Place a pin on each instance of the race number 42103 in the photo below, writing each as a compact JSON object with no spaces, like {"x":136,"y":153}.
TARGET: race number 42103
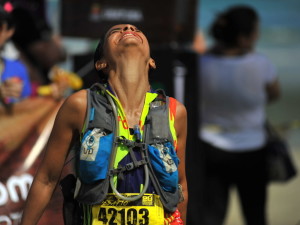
{"x":131,"y":216}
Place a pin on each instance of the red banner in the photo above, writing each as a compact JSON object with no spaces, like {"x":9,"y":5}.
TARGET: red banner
{"x":24,"y":131}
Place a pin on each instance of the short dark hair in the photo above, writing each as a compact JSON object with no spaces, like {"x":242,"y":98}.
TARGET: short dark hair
{"x":235,"y":21}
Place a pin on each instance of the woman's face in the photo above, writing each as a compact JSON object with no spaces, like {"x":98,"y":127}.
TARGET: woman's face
{"x":123,"y":36}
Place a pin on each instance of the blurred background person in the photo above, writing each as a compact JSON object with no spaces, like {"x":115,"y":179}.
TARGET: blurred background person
{"x":236,"y":84}
{"x":14,"y":79}
{"x":35,"y":44}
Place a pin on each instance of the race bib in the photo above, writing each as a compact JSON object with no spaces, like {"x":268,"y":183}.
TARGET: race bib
{"x":147,"y":210}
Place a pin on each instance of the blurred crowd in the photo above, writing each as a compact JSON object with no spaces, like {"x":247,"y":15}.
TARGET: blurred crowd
{"x":30,"y":55}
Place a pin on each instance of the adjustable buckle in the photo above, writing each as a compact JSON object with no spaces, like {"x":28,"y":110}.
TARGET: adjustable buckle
{"x":112,"y":172}
{"x":117,"y":140}
{"x":129,"y":166}
{"x":144,"y":146}
{"x":122,"y":140}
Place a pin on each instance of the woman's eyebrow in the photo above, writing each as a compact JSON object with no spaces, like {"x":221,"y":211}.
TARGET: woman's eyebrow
{"x":115,"y":29}
{"x":111,"y":31}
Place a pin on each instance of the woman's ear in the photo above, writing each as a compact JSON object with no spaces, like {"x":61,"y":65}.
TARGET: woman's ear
{"x":152,"y":64}
{"x":100,"y":64}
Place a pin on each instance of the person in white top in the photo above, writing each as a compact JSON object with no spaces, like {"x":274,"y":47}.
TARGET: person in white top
{"x":233,"y":99}
{"x":235,"y":84}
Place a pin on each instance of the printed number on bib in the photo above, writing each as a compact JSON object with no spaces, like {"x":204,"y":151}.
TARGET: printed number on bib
{"x":131,"y":216}
{"x":113,"y":211}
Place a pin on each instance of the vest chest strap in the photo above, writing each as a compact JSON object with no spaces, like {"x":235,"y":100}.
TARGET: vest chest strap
{"x":132,"y":146}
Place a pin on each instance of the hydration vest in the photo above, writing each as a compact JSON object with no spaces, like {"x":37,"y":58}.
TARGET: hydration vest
{"x":154,"y":150}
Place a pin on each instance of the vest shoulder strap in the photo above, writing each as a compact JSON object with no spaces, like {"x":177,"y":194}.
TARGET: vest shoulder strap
{"x":99,"y":111}
{"x":157,"y":124}
{"x":88,"y":111}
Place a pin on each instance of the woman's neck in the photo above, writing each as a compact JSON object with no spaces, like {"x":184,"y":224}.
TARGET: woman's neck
{"x":129,"y":81}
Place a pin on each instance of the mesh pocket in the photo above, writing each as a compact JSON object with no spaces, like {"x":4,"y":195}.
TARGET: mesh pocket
{"x":95,"y":152}
{"x":165,"y":162}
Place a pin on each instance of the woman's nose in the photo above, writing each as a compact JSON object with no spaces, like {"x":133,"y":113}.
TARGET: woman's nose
{"x":128,"y":27}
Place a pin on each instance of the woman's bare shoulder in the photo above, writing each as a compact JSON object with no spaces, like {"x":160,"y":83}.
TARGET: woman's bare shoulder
{"x":180,"y":118}
{"x":180,"y":110}
{"x":73,"y":110}
{"x":76,"y":101}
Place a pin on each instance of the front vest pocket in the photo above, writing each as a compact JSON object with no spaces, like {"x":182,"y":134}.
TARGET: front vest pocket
{"x":95,"y":153}
{"x":165,"y":162}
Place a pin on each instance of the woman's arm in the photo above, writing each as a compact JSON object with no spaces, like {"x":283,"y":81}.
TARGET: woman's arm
{"x":181,"y":130}
{"x":66,"y":129}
